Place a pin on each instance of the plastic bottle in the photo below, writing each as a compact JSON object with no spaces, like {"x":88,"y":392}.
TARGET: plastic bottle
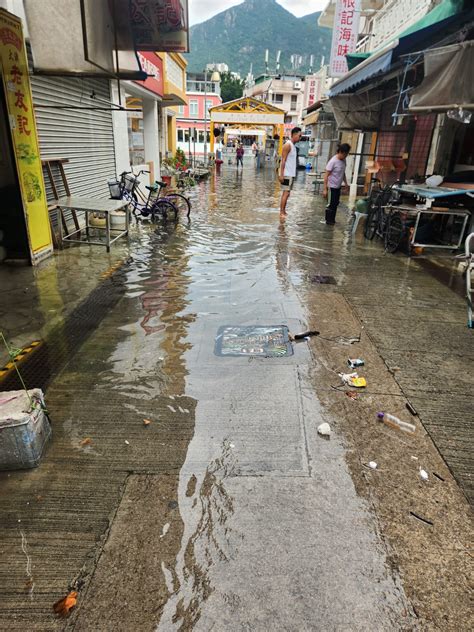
{"x":394,"y":422}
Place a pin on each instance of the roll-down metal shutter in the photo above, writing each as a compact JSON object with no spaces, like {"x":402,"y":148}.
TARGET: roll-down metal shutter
{"x":85,"y":137}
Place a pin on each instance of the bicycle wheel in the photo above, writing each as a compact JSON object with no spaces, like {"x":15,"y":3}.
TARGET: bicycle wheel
{"x":181,"y":202}
{"x":165,"y":209}
{"x":393,"y":232}
{"x":371,"y":223}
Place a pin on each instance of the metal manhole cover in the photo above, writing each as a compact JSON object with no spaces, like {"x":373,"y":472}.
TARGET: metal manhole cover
{"x":323,"y":279}
{"x":262,"y":341}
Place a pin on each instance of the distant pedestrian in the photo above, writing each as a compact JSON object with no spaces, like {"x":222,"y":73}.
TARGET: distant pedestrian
{"x":334,"y":178}
{"x":240,"y":155}
{"x":254,"y":148}
{"x":288,"y":168}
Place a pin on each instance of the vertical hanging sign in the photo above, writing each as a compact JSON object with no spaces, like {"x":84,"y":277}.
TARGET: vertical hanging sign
{"x":344,"y":35}
{"x":16,"y":83}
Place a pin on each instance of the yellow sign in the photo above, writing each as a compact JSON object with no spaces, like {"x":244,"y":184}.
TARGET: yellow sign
{"x":16,"y":82}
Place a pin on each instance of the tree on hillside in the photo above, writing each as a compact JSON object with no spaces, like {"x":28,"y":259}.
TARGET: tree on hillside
{"x":231,"y":88}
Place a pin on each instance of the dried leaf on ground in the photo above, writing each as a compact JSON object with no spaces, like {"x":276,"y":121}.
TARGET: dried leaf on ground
{"x":352,"y":394}
{"x":64,"y":606}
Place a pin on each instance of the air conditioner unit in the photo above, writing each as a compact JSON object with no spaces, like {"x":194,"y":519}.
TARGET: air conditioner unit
{"x":297,"y":85}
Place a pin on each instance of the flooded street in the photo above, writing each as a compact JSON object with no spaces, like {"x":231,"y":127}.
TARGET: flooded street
{"x":225,"y":510}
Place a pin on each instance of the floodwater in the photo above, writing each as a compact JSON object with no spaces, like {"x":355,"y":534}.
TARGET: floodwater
{"x":226,"y":511}
{"x":265,"y":528}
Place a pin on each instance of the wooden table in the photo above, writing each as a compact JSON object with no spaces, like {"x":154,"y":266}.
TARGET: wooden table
{"x":91,"y":205}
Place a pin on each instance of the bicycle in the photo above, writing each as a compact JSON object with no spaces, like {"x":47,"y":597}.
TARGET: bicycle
{"x":155,"y":191}
{"x":377,"y":221}
{"x":126,"y":189}
{"x":179,"y":200}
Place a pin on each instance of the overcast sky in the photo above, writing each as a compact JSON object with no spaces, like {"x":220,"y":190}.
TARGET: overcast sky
{"x":200,"y":10}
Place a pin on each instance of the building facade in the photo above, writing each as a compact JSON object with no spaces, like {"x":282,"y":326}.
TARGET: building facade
{"x":373,"y":102}
{"x":284,"y":91}
{"x":193,"y":119}
{"x":146,"y":133}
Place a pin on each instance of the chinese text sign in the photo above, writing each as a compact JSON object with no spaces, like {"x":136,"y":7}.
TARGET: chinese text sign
{"x":344,"y":35}
{"x":16,"y":83}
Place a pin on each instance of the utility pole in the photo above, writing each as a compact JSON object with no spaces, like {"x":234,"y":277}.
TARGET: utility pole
{"x":215,"y":78}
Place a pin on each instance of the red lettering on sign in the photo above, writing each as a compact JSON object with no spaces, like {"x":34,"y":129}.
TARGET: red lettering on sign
{"x":23,"y":125}
{"x":19,"y":103}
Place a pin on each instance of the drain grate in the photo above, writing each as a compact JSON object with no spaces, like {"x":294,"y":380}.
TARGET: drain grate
{"x":264,"y":341}
{"x":323,"y":279}
{"x":39,"y":368}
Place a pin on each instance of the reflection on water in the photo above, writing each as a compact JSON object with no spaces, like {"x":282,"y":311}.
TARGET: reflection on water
{"x":234,"y":264}
{"x":207,"y":508}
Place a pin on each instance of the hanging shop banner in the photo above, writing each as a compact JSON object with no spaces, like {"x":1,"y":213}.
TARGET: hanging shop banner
{"x":153,"y":66}
{"x":16,"y":83}
{"x":344,"y":35}
{"x":160,"y":25}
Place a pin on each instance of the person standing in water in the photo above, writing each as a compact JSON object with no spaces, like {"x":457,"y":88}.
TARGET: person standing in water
{"x":289,"y":162}
{"x":240,"y":154}
{"x":334,"y":177}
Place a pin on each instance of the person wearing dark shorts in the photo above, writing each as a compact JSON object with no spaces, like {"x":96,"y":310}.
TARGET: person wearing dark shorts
{"x":334,"y":178}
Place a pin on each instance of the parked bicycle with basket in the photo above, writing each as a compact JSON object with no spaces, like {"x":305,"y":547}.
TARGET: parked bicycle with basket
{"x":152,"y":205}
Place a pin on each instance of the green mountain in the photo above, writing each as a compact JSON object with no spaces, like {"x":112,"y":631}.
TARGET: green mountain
{"x":240,"y":35}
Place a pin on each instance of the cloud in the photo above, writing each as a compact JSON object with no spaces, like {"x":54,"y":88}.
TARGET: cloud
{"x":303,"y":7}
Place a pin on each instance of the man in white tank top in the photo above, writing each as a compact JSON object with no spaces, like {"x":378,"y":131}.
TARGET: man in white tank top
{"x":289,"y":161}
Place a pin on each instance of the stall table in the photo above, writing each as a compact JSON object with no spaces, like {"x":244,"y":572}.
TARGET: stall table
{"x":417,"y":212}
{"x":425,"y":196}
{"x":91,"y":205}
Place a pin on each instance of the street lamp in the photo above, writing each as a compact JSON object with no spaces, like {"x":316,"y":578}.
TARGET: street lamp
{"x":215,"y":78}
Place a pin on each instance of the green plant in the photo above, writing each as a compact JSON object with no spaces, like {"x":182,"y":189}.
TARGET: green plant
{"x":177,"y":162}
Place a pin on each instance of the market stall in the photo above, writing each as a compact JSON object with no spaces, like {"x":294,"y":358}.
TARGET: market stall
{"x":427,"y":217}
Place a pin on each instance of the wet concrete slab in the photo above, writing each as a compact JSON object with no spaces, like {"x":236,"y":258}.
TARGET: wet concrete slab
{"x":227,"y":510}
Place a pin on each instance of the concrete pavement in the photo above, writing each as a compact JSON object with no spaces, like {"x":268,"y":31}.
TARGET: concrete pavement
{"x":228,"y":511}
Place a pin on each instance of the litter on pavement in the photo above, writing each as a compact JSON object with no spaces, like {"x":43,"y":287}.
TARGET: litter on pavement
{"x":355,"y":362}
{"x":64,"y":606}
{"x":411,"y":409}
{"x":353,"y":379}
{"x":394,"y":422}
{"x":304,"y":334}
{"x":424,"y":475}
{"x":324,"y":430}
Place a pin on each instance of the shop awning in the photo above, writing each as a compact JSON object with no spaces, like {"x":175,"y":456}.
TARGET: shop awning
{"x":449,"y":79}
{"x":82,"y":37}
{"x":376,"y":64}
{"x":357,"y":111}
{"x":413,"y":38}
{"x":311,"y":119}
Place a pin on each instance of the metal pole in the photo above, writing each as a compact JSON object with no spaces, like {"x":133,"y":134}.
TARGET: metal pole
{"x":205,"y":116}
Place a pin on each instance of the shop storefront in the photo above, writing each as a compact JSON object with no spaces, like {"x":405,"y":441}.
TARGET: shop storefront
{"x":137,"y":131}
{"x":25,"y":232}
